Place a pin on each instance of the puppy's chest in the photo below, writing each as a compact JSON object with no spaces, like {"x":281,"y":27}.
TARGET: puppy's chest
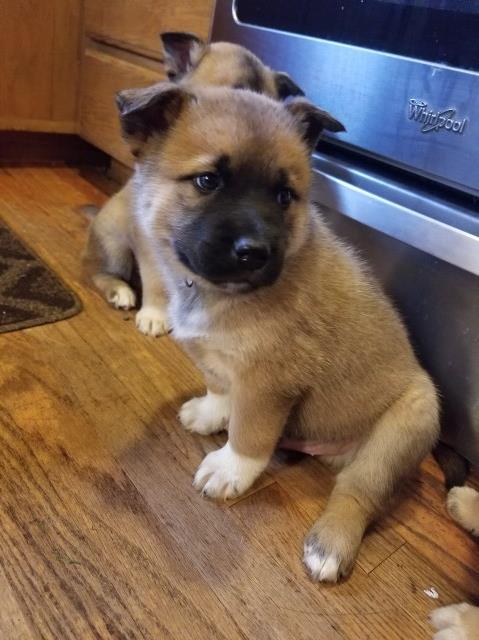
{"x":192,"y":327}
{"x":188,"y":316}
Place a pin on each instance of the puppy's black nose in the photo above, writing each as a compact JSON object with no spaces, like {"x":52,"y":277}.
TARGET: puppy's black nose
{"x":251,"y":254}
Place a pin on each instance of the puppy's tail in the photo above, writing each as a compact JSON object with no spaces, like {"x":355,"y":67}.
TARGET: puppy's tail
{"x":454,"y":466}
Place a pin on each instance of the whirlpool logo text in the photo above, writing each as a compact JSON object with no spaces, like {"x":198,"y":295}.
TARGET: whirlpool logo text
{"x":435,"y":120}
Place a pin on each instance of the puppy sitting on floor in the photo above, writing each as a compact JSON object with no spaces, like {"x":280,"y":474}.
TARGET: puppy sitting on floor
{"x":293,"y":335}
{"x":113,"y":240}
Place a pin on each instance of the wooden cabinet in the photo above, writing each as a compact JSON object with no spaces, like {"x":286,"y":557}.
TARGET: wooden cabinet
{"x":103,"y":76}
{"x":39,"y":64}
{"x":63,"y":61}
{"x":122,"y":49}
{"x":136,"y":24}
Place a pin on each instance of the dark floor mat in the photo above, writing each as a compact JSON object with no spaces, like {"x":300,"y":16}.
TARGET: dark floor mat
{"x":30,"y":293}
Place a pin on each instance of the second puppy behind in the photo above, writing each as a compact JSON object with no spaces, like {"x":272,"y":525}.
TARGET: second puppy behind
{"x":115,"y":240}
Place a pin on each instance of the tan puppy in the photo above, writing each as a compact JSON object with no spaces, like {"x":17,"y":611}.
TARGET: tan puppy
{"x":112,"y":240}
{"x":293,"y":335}
{"x":460,"y":621}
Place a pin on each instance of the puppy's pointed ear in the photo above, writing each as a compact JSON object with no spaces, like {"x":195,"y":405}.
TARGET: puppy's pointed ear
{"x":182,"y":52}
{"x":312,"y":121}
{"x":285,"y":86}
{"x":148,"y":111}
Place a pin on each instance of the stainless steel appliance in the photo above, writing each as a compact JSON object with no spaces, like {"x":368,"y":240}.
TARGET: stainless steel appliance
{"x":402,"y":183}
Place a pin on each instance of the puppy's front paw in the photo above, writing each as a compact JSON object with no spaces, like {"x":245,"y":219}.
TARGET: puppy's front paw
{"x":152,"y":321}
{"x":122,"y":296}
{"x":206,"y":415}
{"x":225,"y":474}
{"x":456,"y":622}
{"x":330,"y":550}
{"x":463,"y":505}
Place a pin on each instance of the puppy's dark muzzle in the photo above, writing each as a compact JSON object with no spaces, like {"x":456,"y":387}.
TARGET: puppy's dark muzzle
{"x":244,"y":248}
{"x":249,"y":262}
{"x":250,"y":254}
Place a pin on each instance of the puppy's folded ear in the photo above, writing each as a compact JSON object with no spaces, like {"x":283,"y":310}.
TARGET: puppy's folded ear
{"x":148,"y":111}
{"x":182,"y":52}
{"x":285,"y":86}
{"x":312,"y":121}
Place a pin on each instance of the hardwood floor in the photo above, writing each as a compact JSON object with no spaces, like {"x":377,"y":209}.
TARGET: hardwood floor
{"x":103,"y":537}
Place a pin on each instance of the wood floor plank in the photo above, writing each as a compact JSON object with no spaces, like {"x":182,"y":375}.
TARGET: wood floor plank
{"x":102,"y":535}
{"x":252,"y":585}
{"x":358,"y":607}
{"x":420,"y":517}
{"x":13,"y":624}
{"x":418,"y":584}
{"x":80,"y":546}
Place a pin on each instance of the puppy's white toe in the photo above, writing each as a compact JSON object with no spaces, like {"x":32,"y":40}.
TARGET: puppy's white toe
{"x":122,"y":296}
{"x":225,"y":474}
{"x":206,"y":415}
{"x":323,"y":567}
{"x":152,"y":321}
{"x":447,"y":616}
{"x":452,"y":633}
{"x":454,"y":622}
{"x":463,"y":506}
{"x":331,"y":547}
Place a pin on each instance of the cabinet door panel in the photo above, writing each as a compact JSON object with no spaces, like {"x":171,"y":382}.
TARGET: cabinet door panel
{"x":103,"y":75}
{"x":136,"y":24}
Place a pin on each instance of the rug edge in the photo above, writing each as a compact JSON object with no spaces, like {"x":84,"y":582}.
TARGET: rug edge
{"x":76,"y":308}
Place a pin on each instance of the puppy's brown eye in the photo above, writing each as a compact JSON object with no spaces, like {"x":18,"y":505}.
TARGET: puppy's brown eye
{"x":285,"y":196}
{"x":208,"y":182}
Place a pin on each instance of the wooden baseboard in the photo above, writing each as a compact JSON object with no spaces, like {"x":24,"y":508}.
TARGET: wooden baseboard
{"x":37,"y":148}
{"x":119,"y":172}
{"x":108,"y":180}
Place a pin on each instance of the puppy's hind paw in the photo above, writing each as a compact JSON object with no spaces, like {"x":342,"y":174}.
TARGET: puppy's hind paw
{"x":122,"y":296}
{"x":152,"y":321}
{"x":456,"y":622}
{"x":463,"y":506}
